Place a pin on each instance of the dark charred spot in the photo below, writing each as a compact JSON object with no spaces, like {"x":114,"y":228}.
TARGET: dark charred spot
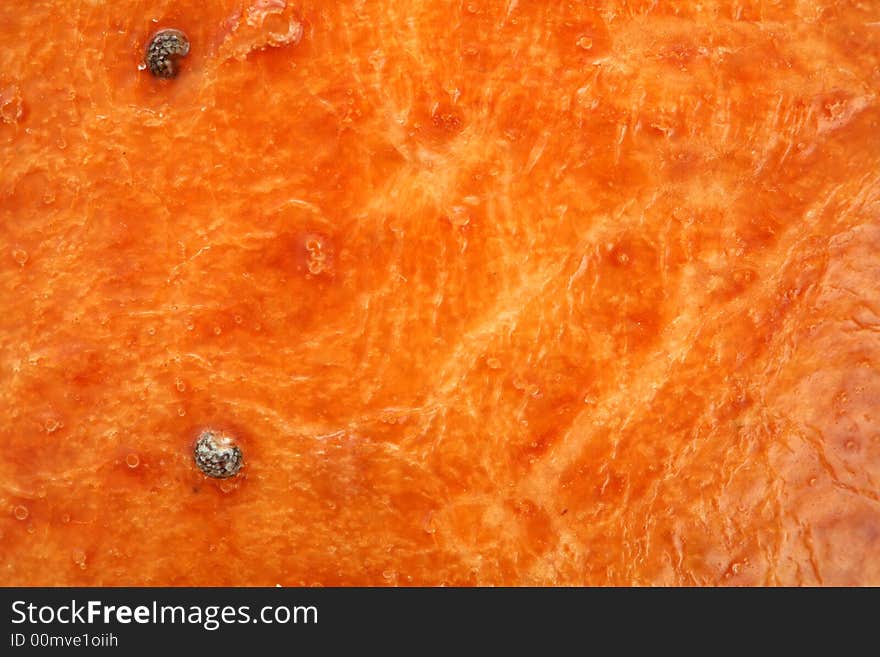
{"x":163,"y":52}
{"x":217,"y":455}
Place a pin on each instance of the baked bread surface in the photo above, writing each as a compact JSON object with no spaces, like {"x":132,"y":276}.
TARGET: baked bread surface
{"x":487,"y":292}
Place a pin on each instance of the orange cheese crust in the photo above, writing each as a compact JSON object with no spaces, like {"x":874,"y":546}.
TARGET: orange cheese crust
{"x":489,"y":292}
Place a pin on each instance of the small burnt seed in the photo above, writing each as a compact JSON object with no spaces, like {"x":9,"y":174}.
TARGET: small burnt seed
{"x":217,"y":455}
{"x":163,"y":51}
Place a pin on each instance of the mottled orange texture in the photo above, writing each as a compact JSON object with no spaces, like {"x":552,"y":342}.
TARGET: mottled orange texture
{"x":488,"y":292}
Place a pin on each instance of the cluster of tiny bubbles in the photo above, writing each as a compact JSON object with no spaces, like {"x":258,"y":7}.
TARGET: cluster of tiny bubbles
{"x":20,"y":256}
{"x":79,"y":557}
{"x":317,"y":258}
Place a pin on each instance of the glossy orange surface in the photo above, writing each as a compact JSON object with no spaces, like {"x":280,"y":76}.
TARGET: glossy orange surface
{"x":490,"y":292}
